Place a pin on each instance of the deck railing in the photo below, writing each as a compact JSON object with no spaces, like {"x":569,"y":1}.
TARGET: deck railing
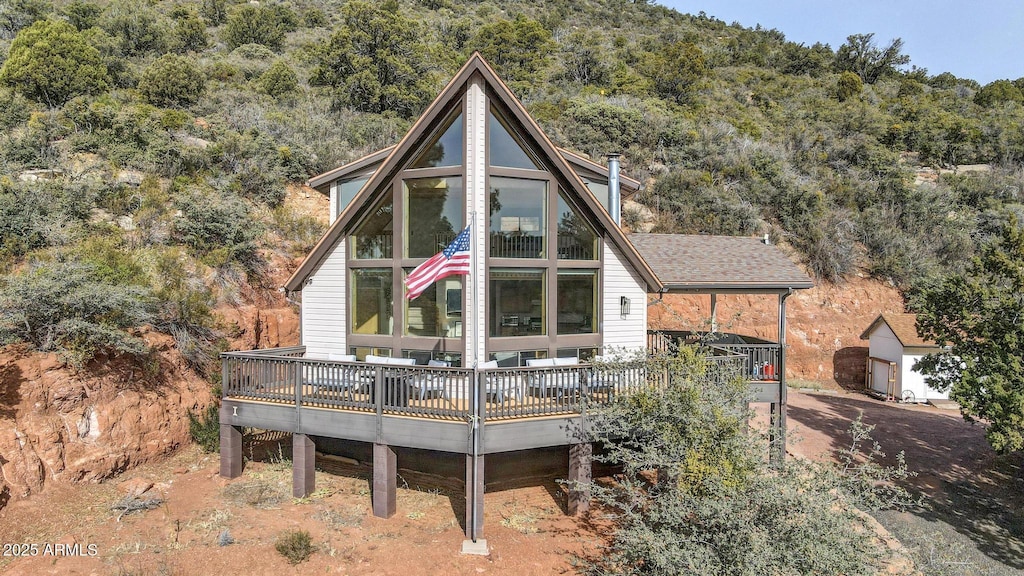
{"x":761,"y":359}
{"x":285,"y":376}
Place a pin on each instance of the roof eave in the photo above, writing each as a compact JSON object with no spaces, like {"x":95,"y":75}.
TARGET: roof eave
{"x":737,"y":287}
{"x":354,"y":166}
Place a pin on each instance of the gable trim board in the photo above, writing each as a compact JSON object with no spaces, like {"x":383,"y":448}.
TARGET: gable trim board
{"x":628,"y":185}
{"x":452,"y":95}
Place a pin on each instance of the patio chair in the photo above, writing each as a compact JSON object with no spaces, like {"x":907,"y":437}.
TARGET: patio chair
{"x":557,"y":383}
{"x":500,"y":385}
{"x":397,"y":379}
{"x":430,"y":382}
{"x":333,"y":379}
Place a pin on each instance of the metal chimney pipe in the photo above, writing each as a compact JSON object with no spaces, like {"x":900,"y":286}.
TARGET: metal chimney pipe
{"x":614,"y":194}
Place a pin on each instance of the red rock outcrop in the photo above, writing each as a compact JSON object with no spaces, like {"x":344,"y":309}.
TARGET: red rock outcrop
{"x":63,"y":425}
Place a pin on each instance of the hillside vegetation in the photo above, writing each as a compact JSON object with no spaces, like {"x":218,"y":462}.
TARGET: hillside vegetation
{"x":145,"y":146}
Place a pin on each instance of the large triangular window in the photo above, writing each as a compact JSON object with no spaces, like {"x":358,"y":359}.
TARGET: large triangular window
{"x":373,"y":240}
{"x":504,"y":149}
{"x":577,"y":239}
{"x":446,"y":149}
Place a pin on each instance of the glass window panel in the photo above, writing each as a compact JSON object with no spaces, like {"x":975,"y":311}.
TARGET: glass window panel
{"x":504,"y":150}
{"x":454,"y":359}
{"x":577,"y":301}
{"x":446,"y":149}
{"x":516,"y":359}
{"x":362,"y":351}
{"x":576,"y":238}
{"x":517,"y":302}
{"x":347,"y":190}
{"x":599,"y":190}
{"x":583,"y":354}
{"x":373,"y":238}
{"x":437,"y":312}
{"x":518,"y":217}
{"x":372,"y":301}
{"x":433,"y":214}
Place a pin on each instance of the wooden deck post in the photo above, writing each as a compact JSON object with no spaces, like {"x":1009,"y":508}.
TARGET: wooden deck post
{"x":303,"y":466}
{"x":385,"y":480}
{"x":230,"y":446}
{"x":580,"y":456}
{"x":474,"y":498}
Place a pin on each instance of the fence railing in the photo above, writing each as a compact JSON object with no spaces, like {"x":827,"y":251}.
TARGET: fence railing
{"x":285,"y":376}
{"x":760,"y":360}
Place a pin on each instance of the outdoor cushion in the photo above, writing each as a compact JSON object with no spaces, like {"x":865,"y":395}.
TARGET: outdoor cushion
{"x":371,"y":359}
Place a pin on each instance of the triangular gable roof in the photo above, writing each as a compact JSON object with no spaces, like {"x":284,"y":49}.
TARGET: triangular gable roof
{"x":904,"y":326}
{"x":398,"y":157}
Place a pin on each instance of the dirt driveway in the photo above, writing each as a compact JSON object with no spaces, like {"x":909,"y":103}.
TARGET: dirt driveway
{"x":973,"y":520}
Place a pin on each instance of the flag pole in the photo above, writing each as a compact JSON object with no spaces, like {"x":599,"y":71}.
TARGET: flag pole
{"x":472,"y":281}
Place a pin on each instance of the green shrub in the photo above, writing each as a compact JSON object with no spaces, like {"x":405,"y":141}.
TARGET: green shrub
{"x":136,"y":26}
{"x":190,"y":34}
{"x":205,"y":428}
{"x":184,"y":309}
{"x":214,"y":11}
{"x":51,"y":62}
{"x":250,"y":24}
{"x":696,"y":495}
{"x":295,"y":545}
{"x":848,"y":85}
{"x":172,"y":80}
{"x":64,"y":307}
{"x":82,"y":15}
{"x":218,"y":226}
{"x":278,"y":80}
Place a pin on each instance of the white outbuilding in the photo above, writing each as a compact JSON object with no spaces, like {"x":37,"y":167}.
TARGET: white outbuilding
{"x":894,"y":349}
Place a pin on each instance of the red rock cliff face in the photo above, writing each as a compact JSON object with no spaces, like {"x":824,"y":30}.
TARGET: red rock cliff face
{"x":59,"y":425}
{"x":824,"y":324}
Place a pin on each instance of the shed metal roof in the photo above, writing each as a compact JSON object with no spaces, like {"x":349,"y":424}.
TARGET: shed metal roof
{"x":692,"y":263}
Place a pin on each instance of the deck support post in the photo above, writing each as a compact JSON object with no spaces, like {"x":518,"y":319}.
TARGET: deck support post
{"x":385,"y":481}
{"x":580,"y":474}
{"x":303,"y":466}
{"x":230,"y":447}
{"x":778,"y":419}
{"x":714,"y":312}
{"x":474,"y":498}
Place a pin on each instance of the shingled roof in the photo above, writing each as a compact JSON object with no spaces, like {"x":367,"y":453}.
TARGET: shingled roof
{"x":716,"y":263}
{"x":904,"y":326}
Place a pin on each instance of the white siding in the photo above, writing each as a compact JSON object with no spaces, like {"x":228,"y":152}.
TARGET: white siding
{"x":333,"y":208}
{"x":884,"y":344}
{"x":324,"y":306}
{"x":913,"y":381}
{"x":619,"y":279}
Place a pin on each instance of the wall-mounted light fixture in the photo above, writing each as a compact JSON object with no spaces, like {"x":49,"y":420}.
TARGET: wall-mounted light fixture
{"x":624,"y":306}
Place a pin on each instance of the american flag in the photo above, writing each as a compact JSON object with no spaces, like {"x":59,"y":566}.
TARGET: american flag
{"x":452,"y":260}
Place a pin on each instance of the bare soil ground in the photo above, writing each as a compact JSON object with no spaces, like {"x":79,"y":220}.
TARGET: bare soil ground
{"x":973,"y":524}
